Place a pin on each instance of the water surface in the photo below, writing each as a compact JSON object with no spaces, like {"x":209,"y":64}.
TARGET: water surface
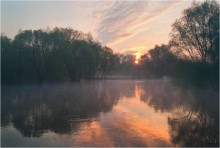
{"x":109,"y":113}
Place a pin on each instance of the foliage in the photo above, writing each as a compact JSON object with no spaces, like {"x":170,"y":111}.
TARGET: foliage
{"x":67,"y":54}
{"x":60,"y":54}
{"x":197,"y":32}
{"x":158,"y":62}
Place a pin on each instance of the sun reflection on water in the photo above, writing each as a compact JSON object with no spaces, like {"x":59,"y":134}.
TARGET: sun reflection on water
{"x":109,"y":113}
{"x":136,"y":124}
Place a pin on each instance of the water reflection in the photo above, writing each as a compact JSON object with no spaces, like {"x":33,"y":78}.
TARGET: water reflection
{"x":109,"y":113}
{"x":34,"y":109}
{"x":194,"y":119}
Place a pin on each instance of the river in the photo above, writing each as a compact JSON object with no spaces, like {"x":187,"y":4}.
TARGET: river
{"x":109,"y":113}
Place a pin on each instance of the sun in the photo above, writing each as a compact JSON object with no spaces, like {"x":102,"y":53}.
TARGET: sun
{"x":137,"y":57}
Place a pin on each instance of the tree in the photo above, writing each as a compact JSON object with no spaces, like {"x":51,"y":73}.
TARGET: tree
{"x":58,"y":54}
{"x":158,"y":62}
{"x":197,"y":32}
{"x":107,"y":60}
{"x":31,"y":48}
{"x":7,"y":60}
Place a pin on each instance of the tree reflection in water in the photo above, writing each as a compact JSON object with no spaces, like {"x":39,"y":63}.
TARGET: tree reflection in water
{"x":195,"y":112}
{"x":192,"y":114}
{"x":34,"y":109}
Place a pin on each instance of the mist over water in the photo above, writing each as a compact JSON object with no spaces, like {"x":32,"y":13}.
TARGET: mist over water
{"x":109,"y":113}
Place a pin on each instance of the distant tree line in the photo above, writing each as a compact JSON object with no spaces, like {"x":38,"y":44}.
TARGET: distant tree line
{"x":66,"y":54}
{"x":60,"y":54}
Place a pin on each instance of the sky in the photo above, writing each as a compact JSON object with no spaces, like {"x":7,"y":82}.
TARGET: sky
{"x":129,"y":27}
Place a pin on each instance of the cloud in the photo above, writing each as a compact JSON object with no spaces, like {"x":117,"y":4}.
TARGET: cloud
{"x":137,"y":50}
{"x":128,"y":52}
{"x":117,"y":19}
{"x":121,"y":25}
{"x":122,"y":19}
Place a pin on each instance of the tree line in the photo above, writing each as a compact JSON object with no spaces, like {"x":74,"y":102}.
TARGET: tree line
{"x":192,"y":55}
{"x":67,"y":54}
{"x":59,"y":54}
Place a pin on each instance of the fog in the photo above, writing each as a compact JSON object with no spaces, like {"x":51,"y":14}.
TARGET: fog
{"x":109,"y":113}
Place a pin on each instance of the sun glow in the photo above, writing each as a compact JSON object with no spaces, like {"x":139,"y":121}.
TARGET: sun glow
{"x":137,"y":58}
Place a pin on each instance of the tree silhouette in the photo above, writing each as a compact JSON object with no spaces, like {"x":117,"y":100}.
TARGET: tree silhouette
{"x":197,"y":31}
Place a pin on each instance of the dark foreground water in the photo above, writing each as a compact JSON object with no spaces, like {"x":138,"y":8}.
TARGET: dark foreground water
{"x":109,"y":113}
